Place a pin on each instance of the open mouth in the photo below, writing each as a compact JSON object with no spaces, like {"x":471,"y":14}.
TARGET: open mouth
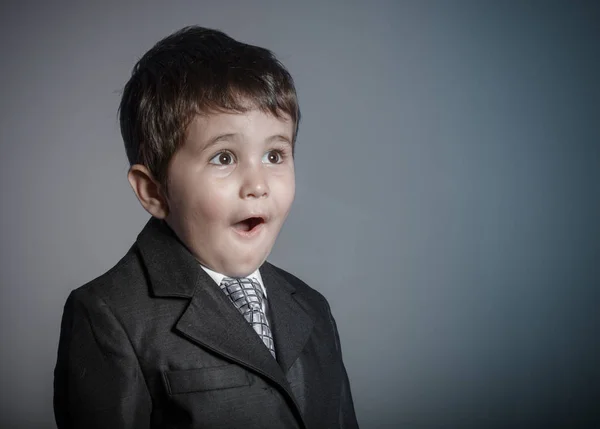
{"x":249,"y":225}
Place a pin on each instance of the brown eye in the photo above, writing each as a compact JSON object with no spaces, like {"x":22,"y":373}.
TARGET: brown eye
{"x":273,"y":157}
{"x":222,"y":158}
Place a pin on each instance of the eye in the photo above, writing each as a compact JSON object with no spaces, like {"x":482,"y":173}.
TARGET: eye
{"x":273,"y":157}
{"x":223,"y":158}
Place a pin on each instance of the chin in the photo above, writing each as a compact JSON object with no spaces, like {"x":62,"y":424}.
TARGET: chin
{"x":244,"y":268}
{"x":239,"y":273}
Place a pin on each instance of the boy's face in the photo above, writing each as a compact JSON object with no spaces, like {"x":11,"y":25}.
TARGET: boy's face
{"x":230,"y":188}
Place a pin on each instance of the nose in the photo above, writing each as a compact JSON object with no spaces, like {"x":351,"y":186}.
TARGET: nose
{"x":254,"y":184}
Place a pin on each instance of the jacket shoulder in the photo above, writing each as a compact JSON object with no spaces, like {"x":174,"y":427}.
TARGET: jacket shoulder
{"x":125,"y":279}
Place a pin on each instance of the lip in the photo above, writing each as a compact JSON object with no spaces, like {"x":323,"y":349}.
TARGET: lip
{"x":248,"y":215}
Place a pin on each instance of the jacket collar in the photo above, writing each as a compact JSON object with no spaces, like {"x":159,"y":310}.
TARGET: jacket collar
{"x":172,"y":269}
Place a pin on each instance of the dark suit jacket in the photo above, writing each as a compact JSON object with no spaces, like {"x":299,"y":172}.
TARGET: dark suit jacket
{"x":154,"y":343}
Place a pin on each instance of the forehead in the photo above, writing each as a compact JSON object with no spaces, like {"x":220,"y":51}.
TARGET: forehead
{"x":251,"y":125}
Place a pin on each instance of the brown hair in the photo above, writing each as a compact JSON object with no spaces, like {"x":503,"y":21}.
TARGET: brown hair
{"x":197,"y":71}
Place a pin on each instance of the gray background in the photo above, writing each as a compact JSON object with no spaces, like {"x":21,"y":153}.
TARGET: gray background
{"x":448,"y":203}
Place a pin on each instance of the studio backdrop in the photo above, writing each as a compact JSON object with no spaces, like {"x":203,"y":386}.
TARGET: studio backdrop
{"x":448,"y":193}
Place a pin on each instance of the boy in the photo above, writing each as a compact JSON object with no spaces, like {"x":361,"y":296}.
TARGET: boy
{"x":193,"y":328}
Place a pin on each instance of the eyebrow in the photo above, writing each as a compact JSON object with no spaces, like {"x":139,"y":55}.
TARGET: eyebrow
{"x":218,"y":139}
{"x":236,"y":137}
{"x":279,"y":137}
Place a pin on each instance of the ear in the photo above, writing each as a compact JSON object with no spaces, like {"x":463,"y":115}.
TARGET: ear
{"x":148,"y":191}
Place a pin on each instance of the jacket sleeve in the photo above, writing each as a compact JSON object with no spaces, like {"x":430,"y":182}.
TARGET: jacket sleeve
{"x":98,"y":382}
{"x":347,"y":416}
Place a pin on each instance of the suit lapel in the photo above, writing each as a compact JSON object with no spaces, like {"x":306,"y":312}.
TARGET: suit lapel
{"x":210,"y":320}
{"x":291,"y":325}
{"x":213,"y":322}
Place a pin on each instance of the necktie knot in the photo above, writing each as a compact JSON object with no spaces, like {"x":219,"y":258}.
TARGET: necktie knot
{"x":243,"y":292}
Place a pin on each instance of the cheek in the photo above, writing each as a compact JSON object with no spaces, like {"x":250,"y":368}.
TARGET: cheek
{"x":286,"y":192}
{"x":209,"y":206}
{"x":291,"y":190}
{"x":200,"y":204}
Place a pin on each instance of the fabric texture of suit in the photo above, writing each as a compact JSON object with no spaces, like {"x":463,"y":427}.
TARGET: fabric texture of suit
{"x":154,"y":343}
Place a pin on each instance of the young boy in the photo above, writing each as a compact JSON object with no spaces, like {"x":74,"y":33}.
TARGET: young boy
{"x":193,"y":328}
